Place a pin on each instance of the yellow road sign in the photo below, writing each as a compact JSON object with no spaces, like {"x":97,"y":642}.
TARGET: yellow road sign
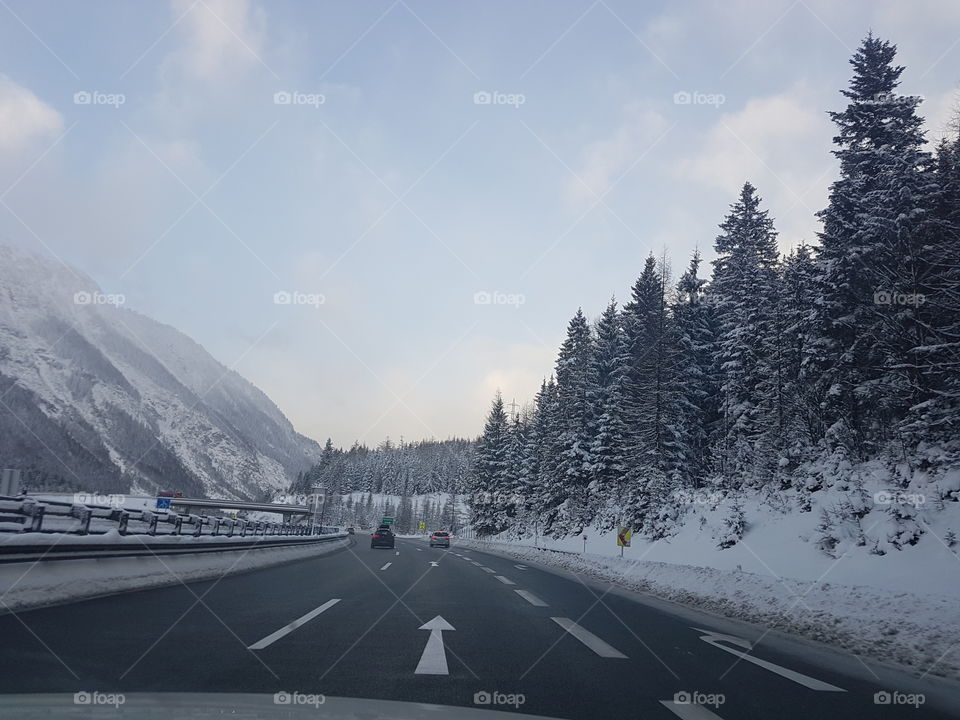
{"x":623,"y":537}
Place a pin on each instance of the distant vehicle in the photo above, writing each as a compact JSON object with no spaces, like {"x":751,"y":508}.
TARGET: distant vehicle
{"x":350,"y":531}
{"x":385,"y":527}
{"x":382,"y":538}
{"x":440,"y":539}
{"x":169,"y":494}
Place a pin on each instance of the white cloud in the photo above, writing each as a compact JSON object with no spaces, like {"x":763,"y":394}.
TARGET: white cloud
{"x":23,"y":116}
{"x":941,"y":114}
{"x":768,"y":142}
{"x":221,"y":37}
{"x":604,"y":161}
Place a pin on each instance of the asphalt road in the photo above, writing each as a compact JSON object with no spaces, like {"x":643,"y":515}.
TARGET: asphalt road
{"x":496,"y":630}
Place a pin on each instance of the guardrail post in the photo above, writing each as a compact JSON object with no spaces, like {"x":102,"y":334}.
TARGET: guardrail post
{"x":83,"y":514}
{"x":177,"y":525}
{"x":197,"y":525}
{"x":123,"y":520}
{"x":36,"y":513}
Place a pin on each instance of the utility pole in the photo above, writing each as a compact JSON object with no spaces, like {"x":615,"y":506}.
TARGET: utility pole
{"x":513,"y":407}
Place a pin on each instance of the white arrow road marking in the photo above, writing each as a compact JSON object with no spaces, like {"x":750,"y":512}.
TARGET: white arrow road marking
{"x":434,"y":563}
{"x":520,"y":567}
{"x":505,"y":581}
{"x":286,"y":630}
{"x":588,"y":638}
{"x":714,"y":638}
{"x":689,"y":711}
{"x":398,"y":552}
{"x":531,"y":598}
{"x":434,"y":658}
{"x":386,"y":566}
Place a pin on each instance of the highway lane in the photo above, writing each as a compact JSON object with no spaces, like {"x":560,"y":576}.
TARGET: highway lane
{"x":349,"y":624}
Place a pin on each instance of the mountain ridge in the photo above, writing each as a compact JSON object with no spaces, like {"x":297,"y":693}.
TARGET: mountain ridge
{"x":97,"y":396}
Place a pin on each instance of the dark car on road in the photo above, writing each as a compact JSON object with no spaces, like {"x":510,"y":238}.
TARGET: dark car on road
{"x":440,"y":539}
{"x":383,"y":537}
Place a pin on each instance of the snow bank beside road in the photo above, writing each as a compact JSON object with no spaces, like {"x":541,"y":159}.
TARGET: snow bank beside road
{"x":911,"y":629}
{"x":27,"y":585}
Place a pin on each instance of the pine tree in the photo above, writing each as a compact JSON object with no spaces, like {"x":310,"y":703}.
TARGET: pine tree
{"x":936,"y":417}
{"x":643,"y":325}
{"x":611,"y":365}
{"x":576,"y":386}
{"x":491,"y":469}
{"x":800,"y":422}
{"x":510,"y":500}
{"x":873,"y":255}
{"x":744,"y":292}
{"x":696,"y":396}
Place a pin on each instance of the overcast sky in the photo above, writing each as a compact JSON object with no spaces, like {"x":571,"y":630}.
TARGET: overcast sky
{"x":394,"y":159}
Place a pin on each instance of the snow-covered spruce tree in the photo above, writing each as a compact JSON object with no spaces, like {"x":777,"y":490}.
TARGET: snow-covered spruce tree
{"x":491,"y":470}
{"x":744,"y":295}
{"x":611,"y":365}
{"x":576,"y":387}
{"x":936,"y":419}
{"x":652,"y":450}
{"x":696,"y":395}
{"x":873,"y":259}
{"x":646,"y":325}
{"x":800,"y":418}
{"x":510,"y":498}
{"x":546,"y":496}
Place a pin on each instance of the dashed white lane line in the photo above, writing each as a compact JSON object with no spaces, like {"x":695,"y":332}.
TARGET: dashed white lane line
{"x":476,"y":563}
{"x":689,"y":711}
{"x":504,"y":580}
{"x":588,"y":638}
{"x":486,"y":569}
{"x":419,"y":549}
{"x":386,"y":566}
{"x":286,"y":630}
{"x":531,"y":598}
{"x":520,"y":567}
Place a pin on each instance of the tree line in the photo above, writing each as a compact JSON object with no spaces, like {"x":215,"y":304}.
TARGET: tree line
{"x":780,"y":372}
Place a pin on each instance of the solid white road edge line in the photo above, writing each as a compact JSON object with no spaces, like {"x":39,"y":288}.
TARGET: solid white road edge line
{"x":286,"y":630}
{"x":588,"y":638}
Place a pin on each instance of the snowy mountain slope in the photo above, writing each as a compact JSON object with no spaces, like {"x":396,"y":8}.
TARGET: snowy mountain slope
{"x":101,"y":397}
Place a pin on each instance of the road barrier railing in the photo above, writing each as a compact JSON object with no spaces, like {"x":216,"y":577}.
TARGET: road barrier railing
{"x":30,"y":515}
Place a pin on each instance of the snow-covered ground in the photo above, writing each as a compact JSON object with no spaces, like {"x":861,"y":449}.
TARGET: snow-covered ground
{"x":782,"y":545}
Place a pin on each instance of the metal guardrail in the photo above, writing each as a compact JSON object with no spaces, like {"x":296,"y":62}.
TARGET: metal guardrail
{"x":29,"y":515}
